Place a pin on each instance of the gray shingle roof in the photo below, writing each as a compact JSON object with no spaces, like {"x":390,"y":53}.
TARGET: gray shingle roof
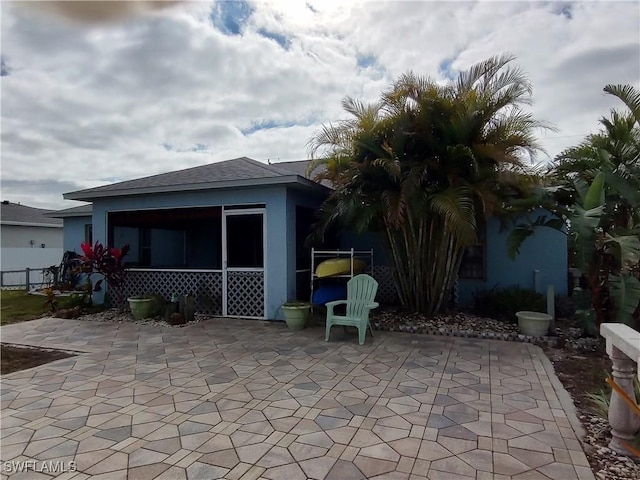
{"x":80,"y":211}
{"x":299,"y":167}
{"x":241,"y":171}
{"x":14,"y":213}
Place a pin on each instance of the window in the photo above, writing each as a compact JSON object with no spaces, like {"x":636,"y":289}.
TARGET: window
{"x":473,"y":265}
{"x":144,"y":246}
{"x":88,"y":233}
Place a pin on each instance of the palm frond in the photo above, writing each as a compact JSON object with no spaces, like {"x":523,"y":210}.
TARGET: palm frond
{"x":629,"y":95}
{"x":456,"y":207}
{"x":482,"y":71}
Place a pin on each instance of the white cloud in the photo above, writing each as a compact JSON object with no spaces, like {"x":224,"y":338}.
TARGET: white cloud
{"x":85,"y":105}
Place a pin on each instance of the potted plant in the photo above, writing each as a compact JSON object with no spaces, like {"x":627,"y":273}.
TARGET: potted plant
{"x":534,"y":324}
{"x":296,"y":314}
{"x":142,"y":306}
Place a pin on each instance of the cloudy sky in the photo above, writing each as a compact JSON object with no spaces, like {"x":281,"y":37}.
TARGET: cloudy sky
{"x":85,"y":104}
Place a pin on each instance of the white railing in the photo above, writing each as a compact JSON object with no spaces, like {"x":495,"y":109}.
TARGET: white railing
{"x":623,"y":348}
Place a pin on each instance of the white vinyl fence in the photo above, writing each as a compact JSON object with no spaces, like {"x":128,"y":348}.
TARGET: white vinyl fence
{"x":26,"y":279}
{"x":23,"y":268}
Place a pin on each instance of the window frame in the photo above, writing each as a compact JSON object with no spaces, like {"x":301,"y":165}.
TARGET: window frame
{"x":88,"y":233}
{"x":482,"y":243}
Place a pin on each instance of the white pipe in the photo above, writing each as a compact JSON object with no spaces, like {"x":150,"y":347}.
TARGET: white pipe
{"x":551,"y":308}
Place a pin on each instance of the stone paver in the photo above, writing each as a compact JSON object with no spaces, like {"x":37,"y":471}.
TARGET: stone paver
{"x":235,"y":399}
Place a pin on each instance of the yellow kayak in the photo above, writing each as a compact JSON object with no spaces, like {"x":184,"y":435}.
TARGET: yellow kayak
{"x":339,"y":266}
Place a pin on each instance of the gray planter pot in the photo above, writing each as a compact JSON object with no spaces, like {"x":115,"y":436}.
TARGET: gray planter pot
{"x":535,"y":324}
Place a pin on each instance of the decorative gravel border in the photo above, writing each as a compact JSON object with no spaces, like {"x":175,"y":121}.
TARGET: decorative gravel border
{"x":471,"y":326}
{"x":115,"y":316}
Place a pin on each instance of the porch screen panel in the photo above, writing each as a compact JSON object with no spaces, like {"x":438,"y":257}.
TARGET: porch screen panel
{"x":178,"y":238}
{"x":245,"y":241}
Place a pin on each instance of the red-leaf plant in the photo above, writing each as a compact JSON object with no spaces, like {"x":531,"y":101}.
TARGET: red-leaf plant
{"x":106,"y":261}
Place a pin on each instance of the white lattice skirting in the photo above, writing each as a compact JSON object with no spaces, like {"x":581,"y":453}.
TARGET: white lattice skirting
{"x":387,"y":292}
{"x":245,"y":297}
{"x":246,"y":294}
{"x":206,"y":286}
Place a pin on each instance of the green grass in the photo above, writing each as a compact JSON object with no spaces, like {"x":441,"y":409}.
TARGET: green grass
{"x":16,"y":306}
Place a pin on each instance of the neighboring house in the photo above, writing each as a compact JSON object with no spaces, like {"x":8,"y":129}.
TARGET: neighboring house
{"x":233,"y":233}
{"x":29,"y":239}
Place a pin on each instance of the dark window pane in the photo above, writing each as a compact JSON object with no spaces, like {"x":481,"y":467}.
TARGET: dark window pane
{"x":170,"y":238}
{"x":244,"y":241}
{"x":472,"y":266}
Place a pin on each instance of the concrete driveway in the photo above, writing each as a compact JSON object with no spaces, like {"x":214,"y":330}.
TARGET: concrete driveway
{"x":240,"y":399}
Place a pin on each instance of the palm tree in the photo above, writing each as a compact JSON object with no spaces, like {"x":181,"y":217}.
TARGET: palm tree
{"x":424,"y":165}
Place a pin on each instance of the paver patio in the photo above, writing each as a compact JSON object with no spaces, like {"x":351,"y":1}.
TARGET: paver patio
{"x":240,"y":399}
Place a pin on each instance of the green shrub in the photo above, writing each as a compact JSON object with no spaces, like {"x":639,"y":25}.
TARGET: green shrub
{"x":72,"y":301}
{"x":503,"y":303}
{"x":159,"y":303}
{"x":565,"y":307}
{"x":78,"y":300}
{"x":585,"y":314}
{"x":600,"y":399}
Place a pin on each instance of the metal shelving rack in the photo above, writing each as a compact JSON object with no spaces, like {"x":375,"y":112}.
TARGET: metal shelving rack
{"x":318,"y":256}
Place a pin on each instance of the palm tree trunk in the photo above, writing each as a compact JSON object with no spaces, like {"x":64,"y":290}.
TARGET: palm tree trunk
{"x":425,"y":258}
{"x":399,"y":269}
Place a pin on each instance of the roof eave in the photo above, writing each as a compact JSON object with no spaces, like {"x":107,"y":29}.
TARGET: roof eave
{"x":305,"y":182}
{"x":90,"y":195}
{"x":31,"y":224}
{"x":71,"y":214}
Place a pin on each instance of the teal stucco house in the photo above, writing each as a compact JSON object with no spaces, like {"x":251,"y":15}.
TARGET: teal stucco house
{"x":233,"y":234}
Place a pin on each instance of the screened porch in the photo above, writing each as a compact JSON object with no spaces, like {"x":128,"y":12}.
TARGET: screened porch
{"x":215,"y":254}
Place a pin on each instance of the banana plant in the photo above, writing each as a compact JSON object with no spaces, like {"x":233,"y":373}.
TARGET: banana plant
{"x":625,"y":290}
{"x":596,"y":190}
{"x":610,"y":262}
{"x":624,"y":287}
{"x":592,"y":245}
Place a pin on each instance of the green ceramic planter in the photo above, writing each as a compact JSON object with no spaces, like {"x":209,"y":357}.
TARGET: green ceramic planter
{"x":142,"y":307}
{"x":296,"y":314}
